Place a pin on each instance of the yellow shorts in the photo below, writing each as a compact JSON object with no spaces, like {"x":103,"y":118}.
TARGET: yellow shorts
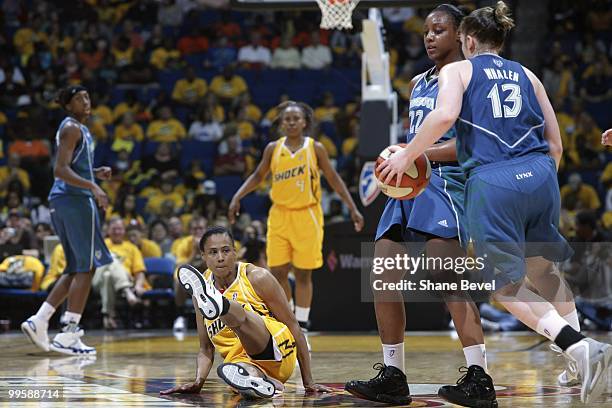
{"x":285,"y":353}
{"x":296,"y":237}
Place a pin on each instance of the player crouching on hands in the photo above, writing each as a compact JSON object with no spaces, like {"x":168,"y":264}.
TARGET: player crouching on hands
{"x":246,"y":317}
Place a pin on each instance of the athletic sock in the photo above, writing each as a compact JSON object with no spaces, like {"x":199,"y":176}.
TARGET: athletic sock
{"x":70,"y":321}
{"x":45,"y":312}
{"x":476,"y":355}
{"x":302,"y":314}
{"x":393,"y":355}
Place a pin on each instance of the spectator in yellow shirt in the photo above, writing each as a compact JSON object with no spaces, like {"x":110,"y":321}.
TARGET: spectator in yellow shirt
{"x":189,"y":90}
{"x":175,"y":233}
{"x":253,"y":113}
{"x":166,"y":193}
{"x":188,"y":252}
{"x":128,"y":129}
{"x":108,"y":280}
{"x":148,"y":248}
{"x":101,"y":111}
{"x":127,"y":253}
{"x":327,"y":112}
{"x":576,"y":195}
{"x":163,"y":56}
{"x":228,"y":86}
{"x":25,"y":38}
{"x":12,"y":172}
{"x":125,"y":208}
{"x":166,"y":128}
{"x":130,"y":104}
{"x":123,"y":52}
{"x":56,"y":268}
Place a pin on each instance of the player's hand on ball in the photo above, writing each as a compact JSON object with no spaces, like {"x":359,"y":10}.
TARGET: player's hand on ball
{"x":103,"y":173}
{"x":233,"y":210}
{"x":396,"y":165}
{"x":606,"y":137}
{"x":357,"y":220}
{"x":189,"y":388}
{"x":317,"y":388}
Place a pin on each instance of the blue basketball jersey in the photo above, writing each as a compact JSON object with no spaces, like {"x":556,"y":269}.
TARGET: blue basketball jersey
{"x":422,"y":102}
{"x":81,"y":164}
{"x":501,"y":118}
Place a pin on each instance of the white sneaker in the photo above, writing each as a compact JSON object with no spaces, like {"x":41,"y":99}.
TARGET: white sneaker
{"x":209,"y":299}
{"x":570,"y":376}
{"x":592,"y":360}
{"x":246,"y":384}
{"x":36,"y":330}
{"x":179,"y":325}
{"x":70,"y":343}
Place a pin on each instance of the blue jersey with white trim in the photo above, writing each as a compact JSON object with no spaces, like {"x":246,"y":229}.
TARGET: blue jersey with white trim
{"x":422,"y":102}
{"x":501,"y":118}
{"x":81,"y":163}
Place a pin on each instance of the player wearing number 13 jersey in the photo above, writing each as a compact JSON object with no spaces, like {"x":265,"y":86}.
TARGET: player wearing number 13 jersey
{"x":509,"y":145}
{"x":295,"y":222}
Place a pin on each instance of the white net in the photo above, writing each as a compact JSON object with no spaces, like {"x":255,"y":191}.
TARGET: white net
{"x":337,"y":14}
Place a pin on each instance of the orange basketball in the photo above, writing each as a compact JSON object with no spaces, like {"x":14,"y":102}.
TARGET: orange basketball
{"x":414,"y":181}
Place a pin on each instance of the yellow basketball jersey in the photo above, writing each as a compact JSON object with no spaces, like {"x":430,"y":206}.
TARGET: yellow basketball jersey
{"x":295,"y":176}
{"x":242,"y":292}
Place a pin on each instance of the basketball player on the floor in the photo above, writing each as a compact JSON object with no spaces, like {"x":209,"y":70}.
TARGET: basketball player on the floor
{"x":509,"y":145}
{"x":436,"y":214}
{"x":76,"y":221}
{"x":246,"y":317}
{"x":295,"y":221}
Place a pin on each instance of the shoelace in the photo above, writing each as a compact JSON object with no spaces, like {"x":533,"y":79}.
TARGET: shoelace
{"x":381,"y":369}
{"x":571,"y":363}
{"x":466,"y":375}
{"x":466,"y":384}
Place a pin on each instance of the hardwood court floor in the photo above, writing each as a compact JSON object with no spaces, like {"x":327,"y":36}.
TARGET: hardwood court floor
{"x":131,"y":368}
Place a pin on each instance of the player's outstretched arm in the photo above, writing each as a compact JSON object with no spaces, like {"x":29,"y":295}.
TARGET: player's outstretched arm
{"x":205,"y":360}
{"x":334,"y":180}
{"x":251,"y":182}
{"x":268,"y":288}
{"x":552,"y":134}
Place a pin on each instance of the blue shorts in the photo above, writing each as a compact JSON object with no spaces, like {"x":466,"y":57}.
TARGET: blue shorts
{"x":512,"y":211}
{"x":77,"y":223}
{"x":437,"y":211}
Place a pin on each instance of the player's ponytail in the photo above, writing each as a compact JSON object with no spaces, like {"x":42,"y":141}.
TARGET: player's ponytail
{"x":501,"y":15}
{"x":489,"y":25}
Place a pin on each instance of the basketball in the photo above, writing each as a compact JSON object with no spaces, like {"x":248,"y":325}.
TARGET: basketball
{"x":414,"y":181}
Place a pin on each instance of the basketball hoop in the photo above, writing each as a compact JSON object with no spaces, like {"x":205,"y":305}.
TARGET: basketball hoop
{"x":337,"y":14}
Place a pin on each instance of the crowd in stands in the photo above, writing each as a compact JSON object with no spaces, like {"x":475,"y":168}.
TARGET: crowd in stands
{"x":184,"y":102}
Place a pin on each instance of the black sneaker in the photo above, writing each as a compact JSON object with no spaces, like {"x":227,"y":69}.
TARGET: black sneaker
{"x":474,"y":389}
{"x":388,"y":386}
